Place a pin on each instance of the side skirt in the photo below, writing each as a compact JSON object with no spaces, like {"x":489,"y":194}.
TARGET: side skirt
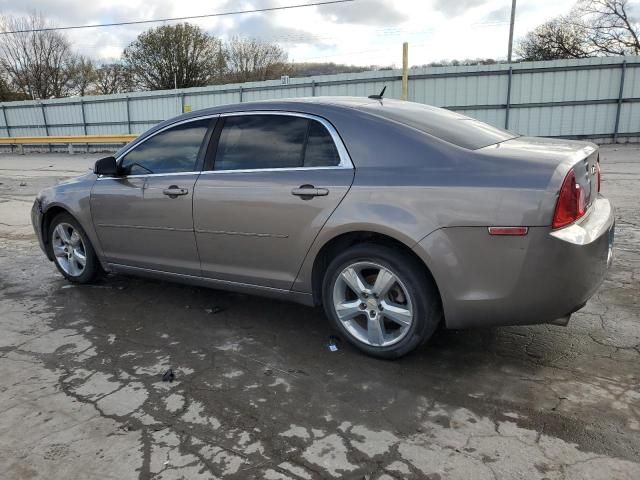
{"x":302,"y":298}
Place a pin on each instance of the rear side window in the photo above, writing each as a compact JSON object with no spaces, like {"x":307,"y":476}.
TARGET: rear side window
{"x":250,"y":142}
{"x":449,"y":126}
{"x":261,"y":141}
{"x":174,"y":150}
{"x":320,"y":151}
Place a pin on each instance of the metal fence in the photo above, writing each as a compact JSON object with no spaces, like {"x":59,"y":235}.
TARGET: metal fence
{"x":596,"y":98}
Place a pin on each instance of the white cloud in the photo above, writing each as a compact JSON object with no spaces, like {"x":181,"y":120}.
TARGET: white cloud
{"x":363,"y":32}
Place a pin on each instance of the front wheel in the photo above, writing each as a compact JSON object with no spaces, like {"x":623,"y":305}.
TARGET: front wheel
{"x":73,"y":253}
{"x":381,"y":300}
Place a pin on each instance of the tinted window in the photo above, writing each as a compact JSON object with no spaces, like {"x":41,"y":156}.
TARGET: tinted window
{"x":320,"y":150}
{"x":451,"y":127}
{"x":261,"y":141}
{"x":172,"y":151}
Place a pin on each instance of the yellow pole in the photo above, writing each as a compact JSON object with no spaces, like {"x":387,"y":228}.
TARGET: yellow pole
{"x":405,"y":71}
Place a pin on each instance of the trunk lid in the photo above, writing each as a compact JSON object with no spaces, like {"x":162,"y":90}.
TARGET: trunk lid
{"x":556,"y":157}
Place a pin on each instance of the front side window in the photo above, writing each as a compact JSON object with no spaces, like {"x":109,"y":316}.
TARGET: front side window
{"x":249,"y":142}
{"x":174,"y":150}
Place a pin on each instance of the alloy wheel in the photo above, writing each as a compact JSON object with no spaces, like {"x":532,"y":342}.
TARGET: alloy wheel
{"x":69,"y":249}
{"x":373,"y":304}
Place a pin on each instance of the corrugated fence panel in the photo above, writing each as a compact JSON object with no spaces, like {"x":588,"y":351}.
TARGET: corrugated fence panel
{"x":569,"y":98}
{"x":563,"y":121}
{"x":154,"y":109}
{"x":63,"y":114}
{"x":26,"y":120}
{"x":629,"y":118}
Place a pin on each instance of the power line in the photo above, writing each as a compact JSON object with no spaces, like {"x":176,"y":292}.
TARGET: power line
{"x":159,"y":20}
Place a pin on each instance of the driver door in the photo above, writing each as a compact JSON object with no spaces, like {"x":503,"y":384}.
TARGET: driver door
{"x":144,"y":217}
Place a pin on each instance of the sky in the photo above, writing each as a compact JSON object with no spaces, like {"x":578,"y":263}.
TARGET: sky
{"x":362,"y":32}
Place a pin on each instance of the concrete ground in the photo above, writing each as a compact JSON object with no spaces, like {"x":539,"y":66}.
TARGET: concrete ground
{"x":258,"y":394}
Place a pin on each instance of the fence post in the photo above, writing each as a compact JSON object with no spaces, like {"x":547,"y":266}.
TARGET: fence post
{"x":6,"y":123}
{"x":44,"y":121}
{"x":84,"y":126}
{"x":84,"y":120}
{"x":619,"y":106}
{"x":313,"y":88}
{"x":128,"y":116}
{"x":240,"y":92}
{"x":508,"y":104}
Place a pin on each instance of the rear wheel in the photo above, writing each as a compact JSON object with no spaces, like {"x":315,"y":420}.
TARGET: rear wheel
{"x":73,"y":253}
{"x":381,"y":300}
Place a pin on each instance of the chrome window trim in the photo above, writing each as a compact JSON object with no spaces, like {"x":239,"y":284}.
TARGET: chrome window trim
{"x":259,"y":170}
{"x":345,"y":159}
{"x":144,"y":175}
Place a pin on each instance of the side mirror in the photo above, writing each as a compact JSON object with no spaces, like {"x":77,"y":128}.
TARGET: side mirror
{"x":106,"y":166}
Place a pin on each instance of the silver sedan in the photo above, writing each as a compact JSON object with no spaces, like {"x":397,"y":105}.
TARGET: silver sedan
{"x":395,"y":217}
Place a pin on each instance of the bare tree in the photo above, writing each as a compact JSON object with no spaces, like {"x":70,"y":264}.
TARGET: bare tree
{"x":38,"y":64}
{"x":557,"y":38}
{"x":82,"y":76}
{"x":610,"y":28}
{"x":112,"y":78}
{"x":171,"y":56}
{"x":594,"y":27}
{"x":7,"y":93}
{"x":252,"y":60}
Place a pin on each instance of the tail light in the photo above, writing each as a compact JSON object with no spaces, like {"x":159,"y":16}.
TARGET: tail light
{"x":571,"y":202}
{"x":599,"y":173}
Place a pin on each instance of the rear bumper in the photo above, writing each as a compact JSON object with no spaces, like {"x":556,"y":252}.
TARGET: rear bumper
{"x":538,"y":278}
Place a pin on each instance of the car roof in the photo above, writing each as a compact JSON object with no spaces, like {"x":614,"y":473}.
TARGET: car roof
{"x":440,"y":123}
{"x":301,"y":104}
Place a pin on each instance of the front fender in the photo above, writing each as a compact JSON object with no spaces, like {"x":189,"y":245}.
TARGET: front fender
{"x":73,"y":197}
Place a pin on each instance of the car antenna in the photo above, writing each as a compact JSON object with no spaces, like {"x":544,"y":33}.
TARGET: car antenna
{"x":379,"y":96}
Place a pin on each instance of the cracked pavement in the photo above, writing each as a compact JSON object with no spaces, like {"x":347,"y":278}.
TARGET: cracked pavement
{"x":258,"y":394}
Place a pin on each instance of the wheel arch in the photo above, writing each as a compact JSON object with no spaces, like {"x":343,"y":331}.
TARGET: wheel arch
{"x":349,"y":239}
{"x":50,"y":213}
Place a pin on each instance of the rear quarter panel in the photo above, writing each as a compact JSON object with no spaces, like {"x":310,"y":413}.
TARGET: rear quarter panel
{"x":439,"y":199}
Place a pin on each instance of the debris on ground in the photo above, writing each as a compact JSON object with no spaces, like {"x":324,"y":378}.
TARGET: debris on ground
{"x":168,"y":376}
{"x":334,"y":343}
{"x":214,"y":310}
{"x":23,"y":184}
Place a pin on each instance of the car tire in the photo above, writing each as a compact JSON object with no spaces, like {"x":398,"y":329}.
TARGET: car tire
{"x":69,"y":244}
{"x":373,"y":328}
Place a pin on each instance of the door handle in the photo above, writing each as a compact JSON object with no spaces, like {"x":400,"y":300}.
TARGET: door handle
{"x":174,"y":191}
{"x":307,"y":192}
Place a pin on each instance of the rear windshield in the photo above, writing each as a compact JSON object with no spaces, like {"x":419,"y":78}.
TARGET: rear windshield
{"x":451,"y":127}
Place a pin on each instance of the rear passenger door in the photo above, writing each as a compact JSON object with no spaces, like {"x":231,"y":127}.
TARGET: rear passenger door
{"x":273,"y":182}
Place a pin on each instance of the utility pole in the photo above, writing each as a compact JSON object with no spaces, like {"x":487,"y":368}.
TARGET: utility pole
{"x":513,"y":20}
{"x":405,"y":71}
